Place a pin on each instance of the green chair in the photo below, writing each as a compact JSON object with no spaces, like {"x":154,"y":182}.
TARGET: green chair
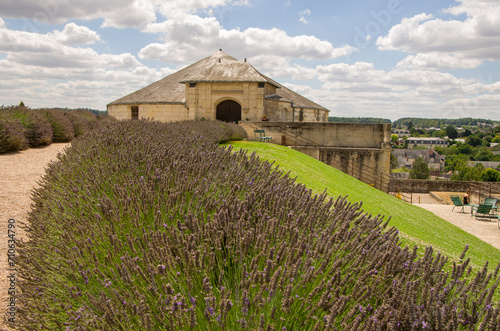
{"x":457,"y":202}
{"x":493,"y":202}
{"x":261,"y":136}
{"x":483,"y":211}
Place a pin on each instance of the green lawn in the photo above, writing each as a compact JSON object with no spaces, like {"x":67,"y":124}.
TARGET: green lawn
{"x":416,"y":225}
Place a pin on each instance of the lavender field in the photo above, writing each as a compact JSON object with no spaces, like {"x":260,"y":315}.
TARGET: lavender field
{"x":149,"y":226}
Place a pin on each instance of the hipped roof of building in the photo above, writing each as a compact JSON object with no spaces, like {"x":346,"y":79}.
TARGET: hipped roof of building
{"x":218,"y":68}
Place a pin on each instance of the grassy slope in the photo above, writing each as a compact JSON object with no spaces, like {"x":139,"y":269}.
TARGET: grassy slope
{"x":416,"y":225}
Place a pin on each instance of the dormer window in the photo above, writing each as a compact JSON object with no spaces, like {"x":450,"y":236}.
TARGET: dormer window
{"x":261,"y":85}
{"x":192,"y":84}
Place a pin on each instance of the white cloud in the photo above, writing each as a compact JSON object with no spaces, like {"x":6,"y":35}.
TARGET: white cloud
{"x":475,"y":39}
{"x":116,"y":13}
{"x":360,"y":89}
{"x":437,"y":61}
{"x":302,"y":19}
{"x":190,"y":37}
{"x":73,"y":34}
{"x":280,"y":67}
{"x":47,"y":70}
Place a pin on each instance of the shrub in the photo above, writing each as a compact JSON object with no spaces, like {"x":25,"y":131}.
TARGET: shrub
{"x":150,"y":226}
{"x":62,"y":128}
{"x":82,"y":121}
{"x":38,"y":130}
{"x":11,"y":132}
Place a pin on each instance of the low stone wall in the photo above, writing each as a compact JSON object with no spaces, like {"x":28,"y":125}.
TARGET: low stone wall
{"x":324,"y":134}
{"x":426,"y":186}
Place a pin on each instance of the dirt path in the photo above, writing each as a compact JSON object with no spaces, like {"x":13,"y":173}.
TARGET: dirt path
{"x":19,"y":173}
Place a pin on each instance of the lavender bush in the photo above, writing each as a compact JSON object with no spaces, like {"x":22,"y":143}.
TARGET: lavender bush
{"x":82,"y":121}
{"x":12,"y":137}
{"x":149,"y":226}
{"x":62,"y":128}
{"x":38,"y":130}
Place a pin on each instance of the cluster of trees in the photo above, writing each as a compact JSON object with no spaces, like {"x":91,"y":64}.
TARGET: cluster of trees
{"x":439,"y":122}
{"x":366,"y":120}
{"x":478,"y":173}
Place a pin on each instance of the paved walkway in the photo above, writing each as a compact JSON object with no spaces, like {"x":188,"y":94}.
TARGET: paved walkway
{"x":484,"y":229}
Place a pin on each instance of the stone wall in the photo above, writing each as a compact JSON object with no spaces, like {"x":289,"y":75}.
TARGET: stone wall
{"x":160,"y":112}
{"x":360,"y":150}
{"x":203,"y":98}
{"x":325,"y":134}
{"x":426,"y":186}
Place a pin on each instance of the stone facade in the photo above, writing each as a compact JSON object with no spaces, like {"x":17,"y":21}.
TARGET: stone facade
{"x":198,"y":92}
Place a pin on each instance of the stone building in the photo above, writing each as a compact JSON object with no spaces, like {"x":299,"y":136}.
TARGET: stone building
{"x":406,"y":158}
{"x":217,"y":87}
{"x":426,"y":142}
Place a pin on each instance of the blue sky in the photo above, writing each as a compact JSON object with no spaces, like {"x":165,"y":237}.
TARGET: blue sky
{"x":378,"y":58}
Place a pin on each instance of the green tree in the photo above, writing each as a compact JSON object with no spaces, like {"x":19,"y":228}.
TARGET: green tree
{"x":451,"y":132}
{"x":496,"y":139}
{"x":394,"y":162}
{"x":465,"y":149}
{"x":490,"y":175}
{"x":420,"y":170}
{"x":474,"y":140}
{"x":483,"y":154}
{"x":465,"y":134}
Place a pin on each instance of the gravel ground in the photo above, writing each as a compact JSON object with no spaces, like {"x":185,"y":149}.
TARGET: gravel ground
{"x":19,"y":174}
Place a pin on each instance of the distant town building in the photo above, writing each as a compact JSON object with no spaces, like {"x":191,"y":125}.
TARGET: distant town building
{"x":406,"y":157}
{"x":486,"y":164}
{"x":426,"y":142}
{"x":401,"y":132}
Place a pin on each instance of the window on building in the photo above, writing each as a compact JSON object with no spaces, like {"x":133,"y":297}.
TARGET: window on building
{"x":261,"y":85}
{"x":135,"y":112}
{"x":192,"y":84}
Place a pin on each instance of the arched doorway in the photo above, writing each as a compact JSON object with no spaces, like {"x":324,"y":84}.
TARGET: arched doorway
{"x":229,"y":111}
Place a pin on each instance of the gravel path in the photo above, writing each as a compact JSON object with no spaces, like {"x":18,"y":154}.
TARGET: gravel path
{"x":19,"y":173}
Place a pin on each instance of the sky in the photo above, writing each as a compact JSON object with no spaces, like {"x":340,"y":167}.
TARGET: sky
{"x":363,"y":58}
